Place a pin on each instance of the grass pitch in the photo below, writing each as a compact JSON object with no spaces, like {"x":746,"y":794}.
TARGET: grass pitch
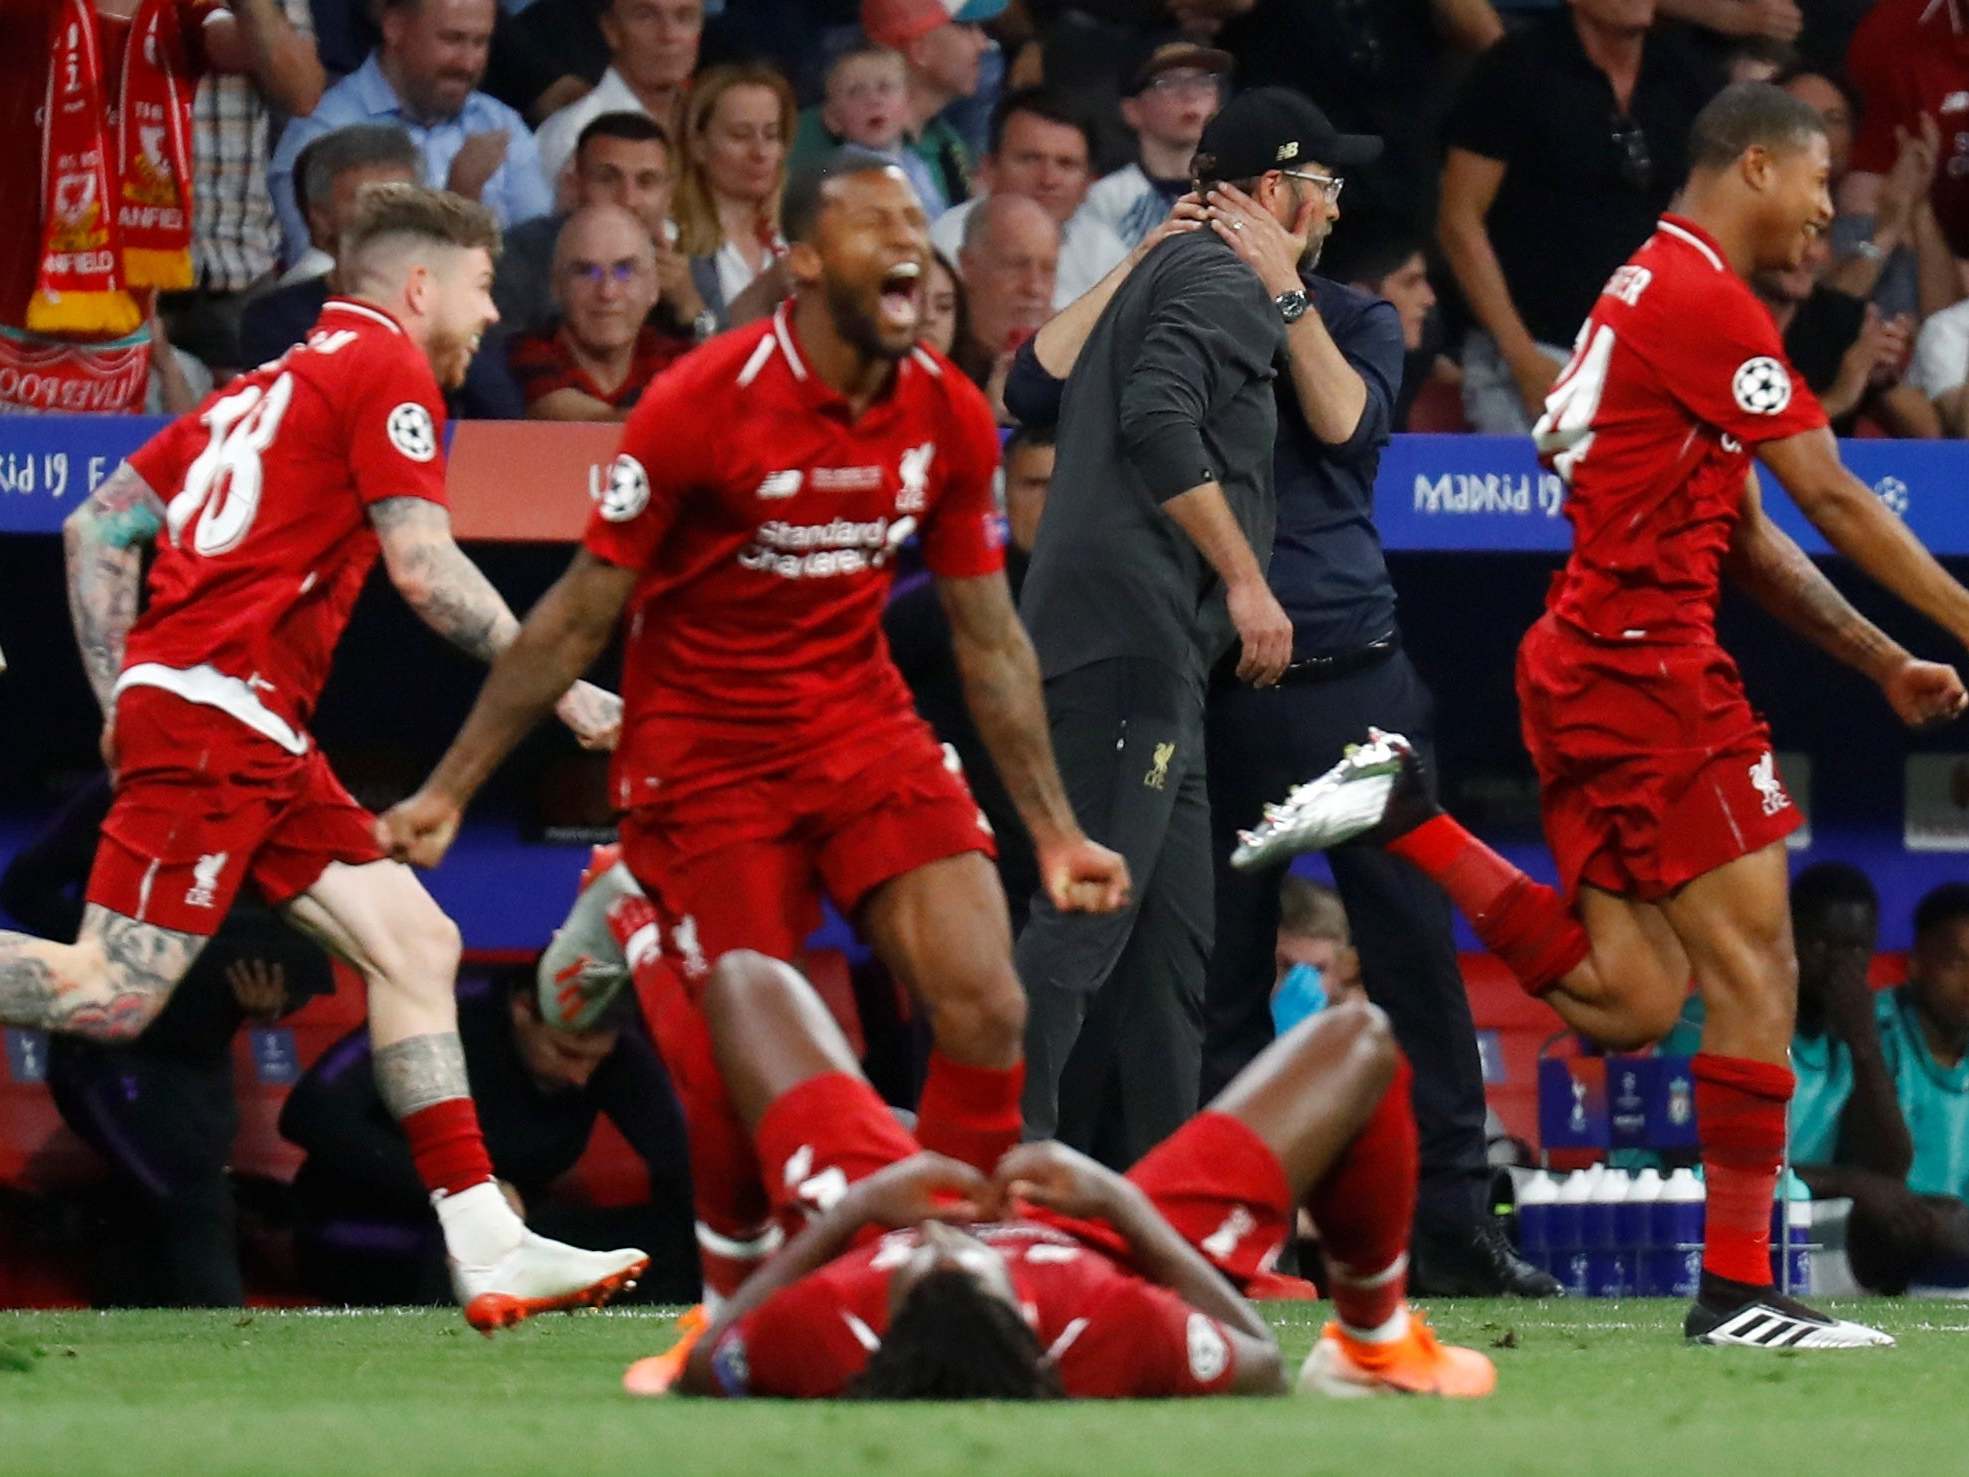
{"x":1585,"y":1388}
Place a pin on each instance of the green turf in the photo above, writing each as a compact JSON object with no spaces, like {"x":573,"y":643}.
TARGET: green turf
{"x":1586,"y":1389}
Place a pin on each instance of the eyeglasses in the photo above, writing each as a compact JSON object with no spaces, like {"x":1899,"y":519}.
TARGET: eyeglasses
{"x":594,"y":274}
{"x":1329,"y":184}
{"x":1635,"y":164}
{"x":1183,"y":79}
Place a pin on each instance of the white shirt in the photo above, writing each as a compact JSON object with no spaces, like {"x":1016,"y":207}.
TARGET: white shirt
{"x":1126,"y":203}
{"x":1941,"y":352}
{"x":562,"y":130}
{"x":1089,"y":250}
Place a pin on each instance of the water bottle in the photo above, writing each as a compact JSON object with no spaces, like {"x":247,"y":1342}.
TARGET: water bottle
{"x":1634,"y":1226}
{"x":1791,"y":1234}
{"x":1568,"y":1249}
{"x":1535,"y":1218}
{"x":1608,"y":1266}
{"x":1674,"y":1265}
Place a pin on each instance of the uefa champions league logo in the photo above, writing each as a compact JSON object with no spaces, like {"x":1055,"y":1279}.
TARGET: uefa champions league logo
{"x":1762,"y":385}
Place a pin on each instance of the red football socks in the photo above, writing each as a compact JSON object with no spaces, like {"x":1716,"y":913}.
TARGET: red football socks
{"x":447,"y":1147}
{"x":970,"y":1113}
{"x":1740,"y":1107}
{"x":1522,"y":922}
{"x":862,"y":1134}
{"x":1364,"y":1208}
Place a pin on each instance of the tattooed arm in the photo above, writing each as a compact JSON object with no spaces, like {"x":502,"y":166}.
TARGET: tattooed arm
{"x":1001,"y":688}
{"x":103,"y":542}
{"x":107,"y":986}
{"x":451,"y":596}
{"x":1765,"y":562}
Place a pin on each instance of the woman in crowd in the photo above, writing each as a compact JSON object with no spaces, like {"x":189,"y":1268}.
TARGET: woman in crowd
{"x":737,"y":131}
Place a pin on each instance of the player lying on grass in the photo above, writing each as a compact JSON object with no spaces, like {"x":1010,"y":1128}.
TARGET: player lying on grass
{"x":1661,"y":798}
{"x":913,"y":1276}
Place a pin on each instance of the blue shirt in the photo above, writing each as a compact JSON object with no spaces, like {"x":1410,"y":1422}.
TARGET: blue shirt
{"x":1934,"y":1099}
{"x":1327,"y":568}
{"x":516,"y":192}
{"x":1823,"y":1066}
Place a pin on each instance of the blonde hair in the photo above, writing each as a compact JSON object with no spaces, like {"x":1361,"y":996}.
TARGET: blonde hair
{"x":696,"y":213}
{"x":1308,"y":910}
{"x":392,"y":216}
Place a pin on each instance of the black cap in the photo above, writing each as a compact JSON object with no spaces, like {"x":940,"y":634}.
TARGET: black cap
{"x":1276,"y":128}
{"x":1164,"y":51}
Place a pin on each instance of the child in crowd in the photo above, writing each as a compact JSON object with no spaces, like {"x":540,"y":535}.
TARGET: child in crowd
{"x":866,"y":105}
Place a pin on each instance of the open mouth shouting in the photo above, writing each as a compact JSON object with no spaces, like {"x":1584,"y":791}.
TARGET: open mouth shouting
{"x":901,"y":298}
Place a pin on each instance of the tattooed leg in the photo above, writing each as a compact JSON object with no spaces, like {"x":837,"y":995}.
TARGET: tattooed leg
{"x":107,"y":986}
{"x":420,"y":1070}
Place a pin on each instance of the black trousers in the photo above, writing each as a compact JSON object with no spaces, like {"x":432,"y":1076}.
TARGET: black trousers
{"x":1114,"y":1040}
{"x":1262,"y":742}
{"x":166,"y":1127}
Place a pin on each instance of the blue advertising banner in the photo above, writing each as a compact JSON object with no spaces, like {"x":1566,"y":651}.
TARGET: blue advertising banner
{"x":1434,"y":493}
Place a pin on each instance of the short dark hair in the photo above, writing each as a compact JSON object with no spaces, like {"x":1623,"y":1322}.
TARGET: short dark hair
{"x":1026,"y":436}
{"x":1831,"y":76}
{"x":635,"y":128}
{"x":1826,"y":885}
{"x":806,"y":191}
{"x":358,"y":146}
{"x":1370,"y":253}
{"x":1748,"y":115}
{"x":1943,"y":905}
{"x":952,"y":1340}
{"x":1041,"y":102}
{"x":386,"y":214}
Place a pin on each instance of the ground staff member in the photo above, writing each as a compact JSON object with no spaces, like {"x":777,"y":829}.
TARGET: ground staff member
{"x":1344,"y":355}
{"x":1150,"y":557}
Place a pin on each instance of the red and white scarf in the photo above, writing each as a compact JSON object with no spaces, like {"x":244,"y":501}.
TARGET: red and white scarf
{"x":115,"y":210}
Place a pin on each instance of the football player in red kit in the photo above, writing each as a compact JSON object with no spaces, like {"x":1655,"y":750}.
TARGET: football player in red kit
{"x":914,"y":1276}
{"x":1662,"y":802}
{"x":770,"y":752}
{"x":269,"y":504}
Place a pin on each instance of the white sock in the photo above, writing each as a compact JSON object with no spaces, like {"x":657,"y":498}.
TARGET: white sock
{"x":479,"y":1226}
{"x":1395,"y":1328}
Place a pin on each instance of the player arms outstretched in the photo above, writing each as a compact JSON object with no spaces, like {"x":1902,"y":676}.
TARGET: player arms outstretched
{"x":268,"y":506}
{"x":1661,"y":797}
{"x":771,"y":754}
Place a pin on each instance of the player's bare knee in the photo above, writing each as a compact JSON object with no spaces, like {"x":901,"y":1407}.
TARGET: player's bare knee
{"x":981,"y":1015}
{"x":420,"y":956}
{"x":744,"y":986}
{"x":1370,"y":1038}
{"x":1640,"y":1024}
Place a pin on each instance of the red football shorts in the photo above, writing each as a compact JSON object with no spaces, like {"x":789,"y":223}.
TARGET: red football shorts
{"x":203,"y":805}
{"x":743,"y":866}
{"x":1652,"y":767}
{"x":1219,"y":1185}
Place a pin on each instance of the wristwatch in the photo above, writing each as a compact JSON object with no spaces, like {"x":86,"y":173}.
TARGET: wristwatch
{"x":1292,"y":305}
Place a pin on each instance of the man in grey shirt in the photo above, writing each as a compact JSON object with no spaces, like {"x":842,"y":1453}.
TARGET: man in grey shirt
{"x":1150,"y":560}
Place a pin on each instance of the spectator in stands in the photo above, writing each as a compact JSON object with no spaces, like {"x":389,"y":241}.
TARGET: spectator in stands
{"x":866,"y":103}
{"x":594,"y":364}
{"x":919,"y":641}
{"x":1009,"y":259}
{"x":1757,"y":59}
{"x":942,"y":55}
{"x":161,"y":1111}
{"x":622,"y":159}
{"x":946,"y":316}
{"x":424,"y":78}
{"x":727,"y":204}
{"x":1564,"y":147}
{"x":1849,"y":1132}
{"x":1910,"y":66}
{"x":76,"y":296}
{"x":235,"y":240}
{"x":1171,"y":90}
{"x":1829,"y":97}
{"x":652,"y":53}
{"x":1041,"y":146}
{"x":1387,"y":68}
{"x":541,"y":1077}
{"x":1848,"y":352}
{"x":1391,"y":264}
{"x":340,"y":164}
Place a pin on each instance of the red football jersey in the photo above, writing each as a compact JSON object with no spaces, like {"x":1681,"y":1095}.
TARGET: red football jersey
{"x":1910,"y":57}
{"x":1110,"y":1333}
{"x":266,"y":540}
{"x":765,"y":523}
{"x":1678,"y":375}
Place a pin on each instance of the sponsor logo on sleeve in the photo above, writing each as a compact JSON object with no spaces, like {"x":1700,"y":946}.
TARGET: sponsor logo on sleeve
{"x":411,"y":432}
{"x":1762,"y":386}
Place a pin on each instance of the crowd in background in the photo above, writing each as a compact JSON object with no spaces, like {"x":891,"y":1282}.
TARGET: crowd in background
{"x":636,"y":150}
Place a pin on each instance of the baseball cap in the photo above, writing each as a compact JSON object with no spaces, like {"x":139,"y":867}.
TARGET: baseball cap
{"x":896,"y":23}
{"x":1276,"y":128}
{"x":1164,"y":51}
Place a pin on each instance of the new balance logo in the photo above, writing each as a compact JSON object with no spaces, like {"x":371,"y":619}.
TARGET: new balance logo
{"x":205,"y":880}
{"x":781,"y":484}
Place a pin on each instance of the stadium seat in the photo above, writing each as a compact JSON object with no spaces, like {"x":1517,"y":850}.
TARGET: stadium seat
{"x":269,"y":1060}
{"x":1511,"y":1029}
